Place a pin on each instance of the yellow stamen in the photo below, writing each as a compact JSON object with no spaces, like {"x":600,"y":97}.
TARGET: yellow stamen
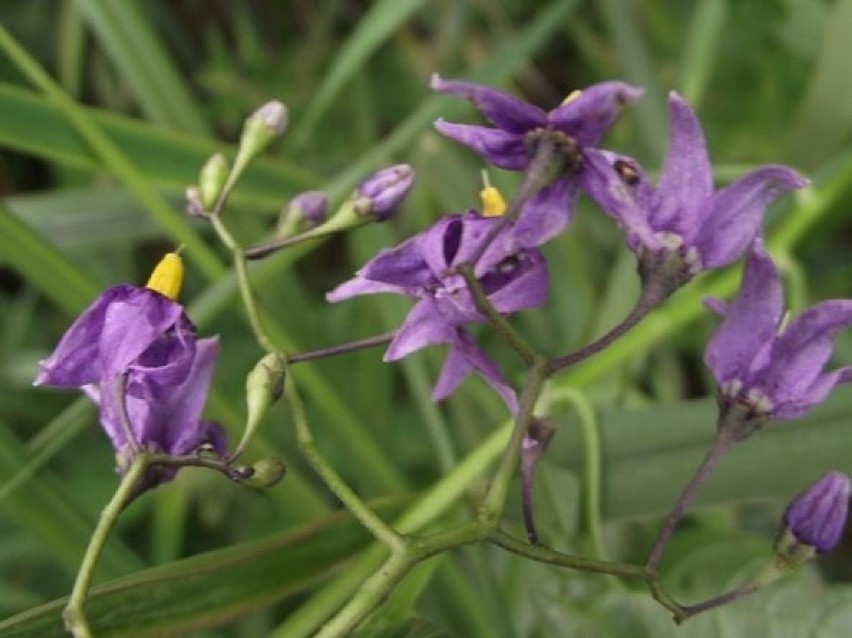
{"x":573,"y":95}
{"x":493,"y":204}
{"x":167,"y":276}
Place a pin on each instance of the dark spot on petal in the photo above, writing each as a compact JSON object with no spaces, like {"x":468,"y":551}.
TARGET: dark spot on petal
{"x":627,"y":172}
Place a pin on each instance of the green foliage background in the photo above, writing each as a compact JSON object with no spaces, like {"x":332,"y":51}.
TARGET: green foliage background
{"x":107,"y":110}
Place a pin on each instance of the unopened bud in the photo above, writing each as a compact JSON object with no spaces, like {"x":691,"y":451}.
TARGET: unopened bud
{"x":382,"y":193}
{"x":814,"y":520}
{"x":263,"y":126}
{"x":212,"y":179}
{"x":194,"y":205}
{"x":267,"y":472}
{"x":264,"y":385}
{"x":304,"y":211}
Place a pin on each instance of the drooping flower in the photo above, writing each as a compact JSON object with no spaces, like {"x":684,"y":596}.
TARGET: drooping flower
{"x":573,"y":127}
{"x":817,"y":516}
{"x":134,"y":352}
{"x":683,"y":218}
{"x":420,"y":268}
{"x":767,"y":370}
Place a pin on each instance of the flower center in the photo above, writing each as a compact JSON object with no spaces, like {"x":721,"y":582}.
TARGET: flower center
{"x":167,"y":276}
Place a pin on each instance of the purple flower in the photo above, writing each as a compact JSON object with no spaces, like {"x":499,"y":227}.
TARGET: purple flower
{"x":134,"y":352}
{"x":419,"y":268}
{"x":816,"y":517}
{"x":683,"y":216}
{"x":774,"y":371}
{"x":574,"y":126}
{"x":381,"y":194}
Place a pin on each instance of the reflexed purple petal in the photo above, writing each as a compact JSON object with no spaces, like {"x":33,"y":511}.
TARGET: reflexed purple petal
{"x":358,"y":286}
{"x":588,"y":116}
{"x":519,"y":283}
{"x":438,"y":245}
{"x":731,"y":218}
{"x":475,"y":229}
{"x":715,"y":305}
{"x":618,"y":185}
{"x":148,"y":313}
{"x":546,"y":214}
{"x":423,"y":326}
{"x":402,"y":266}
{"x":464,"y":357}
{"x":800,"y":353}
{"x":687,"y":177}
{"x":504,"y":150}
{"x":503,"y":110}
{"x":75,"y":361}
{"x":750,"y":321}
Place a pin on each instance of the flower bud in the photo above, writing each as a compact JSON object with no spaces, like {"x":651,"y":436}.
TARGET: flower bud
{"x":212,"y":179}
{"x":264,"y":385}
{"x":261,"y":128}
{"x":814,"y":520}
{"x":266,"y":472}
{"x":381,"y":193}
{"x":304,"y":211}
{"x":194,"y":205}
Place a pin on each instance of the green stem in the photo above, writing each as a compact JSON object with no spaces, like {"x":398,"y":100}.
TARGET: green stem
{"x":497,"y":321}
{"x":381,"y":530}
{"x":241,"y":268}
{"x":73,"y":614}
{"x":542,"y":554}
{"x":495,"y":499}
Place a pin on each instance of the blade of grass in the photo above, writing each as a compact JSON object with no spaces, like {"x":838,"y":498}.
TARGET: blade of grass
{"x":175,"y":224}
{"x":701,"y":39}
{"x":372,"y":31}
{"x":144,"y":64}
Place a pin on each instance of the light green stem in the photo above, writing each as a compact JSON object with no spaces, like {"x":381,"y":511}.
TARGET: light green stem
{"x":73,"y":614}
{"x":381,"y":530}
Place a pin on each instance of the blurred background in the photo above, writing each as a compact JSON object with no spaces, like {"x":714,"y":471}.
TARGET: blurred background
{"x":109,"y":108}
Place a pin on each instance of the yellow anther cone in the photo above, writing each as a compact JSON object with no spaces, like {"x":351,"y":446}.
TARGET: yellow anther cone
{"x":167,"y":276}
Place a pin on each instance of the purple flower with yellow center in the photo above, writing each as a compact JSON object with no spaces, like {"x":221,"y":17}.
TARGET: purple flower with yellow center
{"x":134,"y":352}
{"x":520,"y":129}
{"x":817,"y":516}
{"x":765,"y":369}
{"x":683,"y":218}
{"x":421,"y":267}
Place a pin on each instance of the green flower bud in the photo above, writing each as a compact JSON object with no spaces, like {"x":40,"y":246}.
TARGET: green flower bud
{"x":212,"y":180}
{"x":267,"y":472}
{"x":262,"y":127}
{"x":264,"y":385}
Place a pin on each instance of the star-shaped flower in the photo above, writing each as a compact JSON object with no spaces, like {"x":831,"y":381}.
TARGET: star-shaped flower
{"x":573,"y":127}
{"x":773,"y":371}
{"x":683,"y":217}
{"x":134,"y":352}
{"x":420,"y":268}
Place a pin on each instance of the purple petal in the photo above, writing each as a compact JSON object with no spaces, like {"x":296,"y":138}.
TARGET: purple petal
{"x":731,"y":218}
{"x":131,"y":325}
{"x":750,"y":321}
{"x":403,"y":265}
{"x":503,"y":110}
{"x":817,"y":516}
{"x":546,"y":214}
{"x":424,"y":326}
{"x":465,"y":357}
{"x":618,"y":185}
{"x":520,"y":282}
{"x":801,"y":352}
{"x":588,"y":116}
{"x":358,"y":286}
{"x":504,"y":150}
{"x":165,"y":365}
{"x":474,"y":229}
{"x":687,"y":177}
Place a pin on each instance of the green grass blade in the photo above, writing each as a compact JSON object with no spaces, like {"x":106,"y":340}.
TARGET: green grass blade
{"x":373,"y":30}
{"x":144,"y":64}
{"x":43,"y":266}
{"x":701,"y":40}
{"x":206,"y":590}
